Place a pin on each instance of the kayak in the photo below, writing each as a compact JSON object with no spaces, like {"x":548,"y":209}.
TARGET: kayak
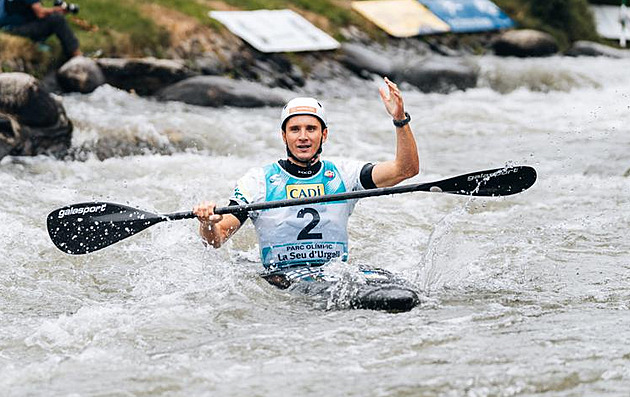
{"x":365,"y":288}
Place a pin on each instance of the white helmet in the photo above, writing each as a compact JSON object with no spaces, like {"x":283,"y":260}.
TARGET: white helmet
{"x":298,"y":106}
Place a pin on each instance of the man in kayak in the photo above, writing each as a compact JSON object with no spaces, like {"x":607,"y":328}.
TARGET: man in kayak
{"x":311,"y":234}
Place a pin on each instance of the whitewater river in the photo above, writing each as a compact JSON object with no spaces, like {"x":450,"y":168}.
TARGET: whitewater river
{"x":522,"y":295}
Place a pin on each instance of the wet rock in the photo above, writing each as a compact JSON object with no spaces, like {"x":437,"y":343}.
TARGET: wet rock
{"x":215,"y":91}
{"x":591,"y":49}
{"x":80,"y":74}
{"x":438,"y":74}
{"x":21,"y":95}
{"x":525,"y":43}
{"x":209,"y":64}
{"x":246,"y":63}
{"x":365,"y":61}
{"x":144,"y":76}
{"x":272,"y":70}
{"x":32,"y":121}
{"x":429,"y":74}
{"x":49,"y":83}
{"x":10,"y":137}
{"x":353,"y":34}
{"x":275,"y":70}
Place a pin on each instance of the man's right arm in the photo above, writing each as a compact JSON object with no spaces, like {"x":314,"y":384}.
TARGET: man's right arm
{"x":215,"y":229}
{"x":42,"y":12}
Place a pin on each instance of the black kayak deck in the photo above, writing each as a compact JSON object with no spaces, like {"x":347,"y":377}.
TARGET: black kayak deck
{"x":367,"y":288}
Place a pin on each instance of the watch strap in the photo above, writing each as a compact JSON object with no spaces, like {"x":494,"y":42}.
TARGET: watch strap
{"x":403,"y":122}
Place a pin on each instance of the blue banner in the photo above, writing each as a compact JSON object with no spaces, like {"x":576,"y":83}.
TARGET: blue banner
{"x":465,"y":16}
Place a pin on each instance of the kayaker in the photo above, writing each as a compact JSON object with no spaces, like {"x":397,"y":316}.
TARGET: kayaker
{"x":317,"y":233}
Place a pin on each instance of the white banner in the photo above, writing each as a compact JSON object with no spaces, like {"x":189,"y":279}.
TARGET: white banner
{"x":608,"y":20}
{"x":275,"y":30}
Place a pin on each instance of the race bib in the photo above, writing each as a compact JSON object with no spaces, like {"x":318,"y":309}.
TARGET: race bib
{"x":307,"y":252}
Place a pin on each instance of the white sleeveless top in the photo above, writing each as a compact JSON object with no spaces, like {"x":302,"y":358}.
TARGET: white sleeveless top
{"x":311,"y":234}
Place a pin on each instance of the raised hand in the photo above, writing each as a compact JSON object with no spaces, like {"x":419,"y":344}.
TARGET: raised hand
{"x":392,"y":98}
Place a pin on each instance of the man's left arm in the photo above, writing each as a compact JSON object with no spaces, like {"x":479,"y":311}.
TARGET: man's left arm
{"x":406,"y":163}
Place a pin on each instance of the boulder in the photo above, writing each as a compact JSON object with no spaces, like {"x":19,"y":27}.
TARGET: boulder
{"x":10,"y":137}
{"x":32,"y":121}
{"x":80,"y":74}
{"x":215,"y":91}
{"x":144,"y":76}
{"x":591,"y":49}
{"x":429,"y":74}
{"x":525,"y":43}
{"x":438,"y":74}
{"x":22,"y":96}
{"x":275,"y":70}
{"x":272,"y":70}
{"x":209,"y":64}
{"x":364,"y":61}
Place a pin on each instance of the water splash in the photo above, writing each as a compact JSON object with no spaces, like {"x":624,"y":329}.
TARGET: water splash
{"x":430,"y":275}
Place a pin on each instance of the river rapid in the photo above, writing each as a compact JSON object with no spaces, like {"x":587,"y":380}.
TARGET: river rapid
{"x":522,"y":295}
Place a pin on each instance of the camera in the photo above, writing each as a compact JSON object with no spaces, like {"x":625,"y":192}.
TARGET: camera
{"x":70,"y":7}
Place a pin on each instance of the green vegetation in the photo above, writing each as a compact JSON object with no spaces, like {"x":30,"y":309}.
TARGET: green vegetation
{"x":21,"y":53}
{"x":609,"y":2}
{"x":566,"y":20}
{"x":118,"y":28}
{"x":191,"y":8}
{"x":336,"y":15}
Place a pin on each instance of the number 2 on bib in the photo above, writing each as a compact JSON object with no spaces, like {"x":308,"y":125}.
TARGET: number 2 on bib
{"x":305,"y":233}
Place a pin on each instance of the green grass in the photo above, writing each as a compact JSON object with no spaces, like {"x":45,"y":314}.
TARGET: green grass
{"x":336,"y":15}
{"x":190,"y":8}
{"x":566,"y":20}
{"x":15,"y":51}
{"x":122,"y":29}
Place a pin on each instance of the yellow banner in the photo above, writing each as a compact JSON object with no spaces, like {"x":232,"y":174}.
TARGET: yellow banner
{"x":303,"y":191}
{"x":401,"y":18}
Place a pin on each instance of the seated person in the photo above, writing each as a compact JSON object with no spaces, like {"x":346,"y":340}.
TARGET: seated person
{"x":30,"y":19}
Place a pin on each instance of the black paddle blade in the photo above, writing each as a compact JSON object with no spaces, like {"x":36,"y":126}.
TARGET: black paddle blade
{"x":489,"y":183}
{"x":88,"y":227}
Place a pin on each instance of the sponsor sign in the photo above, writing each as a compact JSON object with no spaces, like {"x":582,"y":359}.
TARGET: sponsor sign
{"x":275,"y":30}
{"x":308,"y":252}
{"x":303,"y":191}
{"x":608,"y":20}
{"x":464,"y":16}
{"x":505,"y":171}
{"x":81,"y":210}
{"x":401,"y":18}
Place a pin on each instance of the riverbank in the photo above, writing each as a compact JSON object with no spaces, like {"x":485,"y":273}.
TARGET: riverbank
{"x":182,"y":30}
{"x":171,"y":50}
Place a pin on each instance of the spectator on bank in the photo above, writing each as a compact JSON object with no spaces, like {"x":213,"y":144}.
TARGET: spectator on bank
{"x":29,"y":18}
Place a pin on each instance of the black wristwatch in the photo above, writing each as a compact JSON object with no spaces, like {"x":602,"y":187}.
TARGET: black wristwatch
{"x":403,"y":122}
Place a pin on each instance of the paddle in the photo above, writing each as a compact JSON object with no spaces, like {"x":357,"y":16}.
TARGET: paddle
{"x":88,"y":227}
